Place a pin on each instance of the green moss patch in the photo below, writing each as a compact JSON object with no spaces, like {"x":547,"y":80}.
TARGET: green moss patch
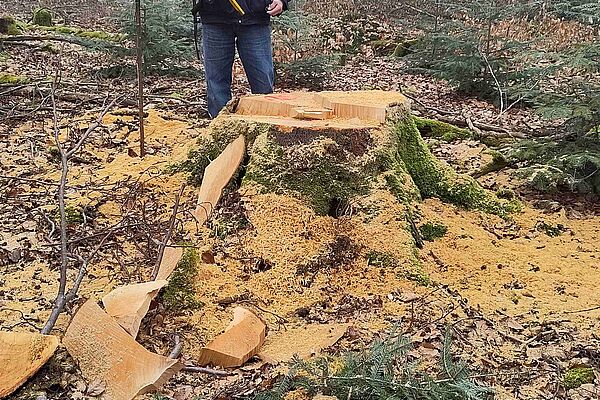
{"x":9,"y":26}
{"x":42,"y":17}
{"x":441,"y":130}
{"x":431,"y":231}
{"x":82,"y":33}
{"x":180,"y":293}
{"x":435,"y":178}
{"x":11,"y":79}
{"x":576,"y":377}
{"x":380,"y":259}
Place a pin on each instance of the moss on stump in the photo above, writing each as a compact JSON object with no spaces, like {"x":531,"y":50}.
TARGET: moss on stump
{"x":324,"y":164}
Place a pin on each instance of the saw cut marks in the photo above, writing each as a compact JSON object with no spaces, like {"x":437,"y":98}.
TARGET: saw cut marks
{"x":366,"y":106}
{"x":129,"y":304}
{"x":21,"y":356}
{"x":105,"y":352}
{"x":278,"y":104}
{"x":216,"y":176}
{"x":241,"y":340}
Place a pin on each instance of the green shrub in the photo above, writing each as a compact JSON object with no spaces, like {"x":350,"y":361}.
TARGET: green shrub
{"x":167,"y":33}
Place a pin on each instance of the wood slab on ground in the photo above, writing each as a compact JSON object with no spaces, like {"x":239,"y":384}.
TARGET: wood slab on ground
{"x":216,"y":176}
{"x":21,"y":356}
{"x":241,"y":340}
{"x":106,"y":353}
{"x":129,"y":304}
{"x":171,"y":257}
{"x":304,"y":341}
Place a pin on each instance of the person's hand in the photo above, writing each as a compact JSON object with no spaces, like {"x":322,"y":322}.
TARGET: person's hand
{"x":275,"y":8}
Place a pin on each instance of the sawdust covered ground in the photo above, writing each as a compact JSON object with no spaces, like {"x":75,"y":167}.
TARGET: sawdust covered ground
{"x":102,"y":177}
{"x":540,"y":266}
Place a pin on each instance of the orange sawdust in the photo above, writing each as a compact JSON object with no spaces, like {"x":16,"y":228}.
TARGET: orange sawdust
{"x":169,"y":141}
{"x":532,"y":275}
{"x":287,"y":234}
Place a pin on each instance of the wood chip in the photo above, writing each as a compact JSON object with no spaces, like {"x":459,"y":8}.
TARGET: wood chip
{"x":106,"y":353}
{"x":216,"y":176}
{"x":129,"y":304}
{"x":304,"y":341}
{"x":241,"y":340}
{"x":171,"y":257}
{"x":21,"y":356}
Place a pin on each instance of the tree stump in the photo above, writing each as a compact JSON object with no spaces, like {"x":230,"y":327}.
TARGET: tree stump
{"x":330,"y":148}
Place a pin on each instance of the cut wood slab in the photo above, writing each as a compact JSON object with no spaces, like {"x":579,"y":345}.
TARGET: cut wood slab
{"x":366,"y":106}
{"x":304,"y":341}
{"x":106,"y":353}
{"x":241,"y":340}
{"x":278,"y":104}
{"x":312,"y":113}
{"x":21,"y":356}
{"x":171,"y":257}
{"x":216,"y":176}
{"x":129,"y":304}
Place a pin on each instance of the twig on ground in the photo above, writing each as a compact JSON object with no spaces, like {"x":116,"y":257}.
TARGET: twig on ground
{"x":210,"y":371}
{"x":167,"y":238}
{"x":62,"y":298}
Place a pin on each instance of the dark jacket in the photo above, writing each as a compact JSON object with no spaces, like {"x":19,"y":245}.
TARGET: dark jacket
{"x":222,"y":12}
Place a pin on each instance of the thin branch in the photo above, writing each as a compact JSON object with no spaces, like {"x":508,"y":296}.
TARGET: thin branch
{"x":167,"y":238}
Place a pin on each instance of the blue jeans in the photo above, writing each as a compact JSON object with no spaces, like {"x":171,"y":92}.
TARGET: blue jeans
{"x":253,"y":43}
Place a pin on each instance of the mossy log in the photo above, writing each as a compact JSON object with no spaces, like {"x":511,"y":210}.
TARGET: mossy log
{"x":357,"y":142}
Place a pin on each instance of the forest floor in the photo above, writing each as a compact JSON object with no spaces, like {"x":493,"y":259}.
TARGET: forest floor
{"x":519,"y":295}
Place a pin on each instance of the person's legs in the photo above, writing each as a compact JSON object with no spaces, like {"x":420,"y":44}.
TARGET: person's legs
{"x":256,"y":53}
{"x":218,"y":48}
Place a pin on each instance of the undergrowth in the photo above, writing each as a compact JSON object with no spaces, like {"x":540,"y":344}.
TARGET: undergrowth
{"x":382,"y":371}
{"x":571,"y":164}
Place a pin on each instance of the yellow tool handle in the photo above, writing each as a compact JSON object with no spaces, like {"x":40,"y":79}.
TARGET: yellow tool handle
{"x":237,"y":7}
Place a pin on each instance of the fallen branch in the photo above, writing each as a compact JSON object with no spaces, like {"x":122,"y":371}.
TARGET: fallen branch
{"x":31,"y":38}
{"x":210,"y":371}
{"x":62,"y":298}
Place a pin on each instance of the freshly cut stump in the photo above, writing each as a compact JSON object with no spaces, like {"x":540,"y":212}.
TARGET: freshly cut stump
{"x":105,"y":352}
{"x":21,"y":356}
{"x":324,"y":218}
{"x":333,"y":146}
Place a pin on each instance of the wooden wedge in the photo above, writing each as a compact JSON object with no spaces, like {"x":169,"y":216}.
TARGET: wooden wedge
{"x":241,"y":340}
{"x":129,"y":304}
